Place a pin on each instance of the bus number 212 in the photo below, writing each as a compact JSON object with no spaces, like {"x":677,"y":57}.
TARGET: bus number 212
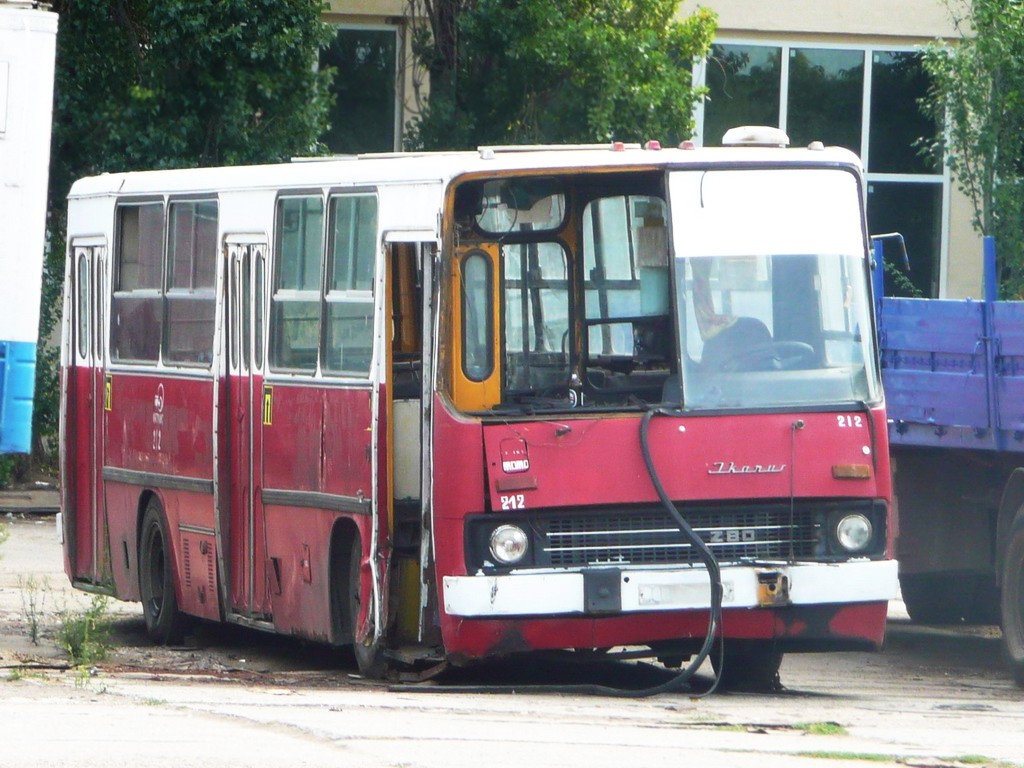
{"x":513,"y":502}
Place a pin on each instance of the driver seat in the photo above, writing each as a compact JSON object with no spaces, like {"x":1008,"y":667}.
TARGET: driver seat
{"x":731,"y":342}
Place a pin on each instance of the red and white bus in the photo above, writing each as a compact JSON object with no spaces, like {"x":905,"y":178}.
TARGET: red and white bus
{"x":422,"y":404}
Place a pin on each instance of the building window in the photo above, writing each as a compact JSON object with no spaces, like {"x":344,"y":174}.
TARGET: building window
{"x":743,"y":88}
{"x":831,"y":94}
{"x":826,"y":91}
{"x":363,"y":114}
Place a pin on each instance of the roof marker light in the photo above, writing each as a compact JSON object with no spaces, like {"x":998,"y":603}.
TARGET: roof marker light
{"x":618,"y":146}
{"x":653,"y":144}
{"x":688,"y":144}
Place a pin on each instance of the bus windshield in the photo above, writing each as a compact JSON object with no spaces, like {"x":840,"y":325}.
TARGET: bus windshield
{"x":771,"y":289}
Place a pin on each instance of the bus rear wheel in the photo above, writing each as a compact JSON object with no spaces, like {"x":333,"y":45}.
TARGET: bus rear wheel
{"x":164,"y":622}
{"x":1012,"y":600}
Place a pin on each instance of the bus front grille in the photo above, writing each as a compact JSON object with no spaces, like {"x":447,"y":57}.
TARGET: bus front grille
{"x":653,"y":538}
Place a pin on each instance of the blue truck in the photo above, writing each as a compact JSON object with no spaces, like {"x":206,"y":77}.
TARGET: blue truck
{"x":953,"y":373}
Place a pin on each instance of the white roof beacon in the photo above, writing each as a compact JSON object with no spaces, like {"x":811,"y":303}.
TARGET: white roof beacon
{"x":755,"y":136}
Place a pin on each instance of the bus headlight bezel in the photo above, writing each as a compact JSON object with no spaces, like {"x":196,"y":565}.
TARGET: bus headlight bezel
{"x":854,"y":533}
{"x":508,"y":544}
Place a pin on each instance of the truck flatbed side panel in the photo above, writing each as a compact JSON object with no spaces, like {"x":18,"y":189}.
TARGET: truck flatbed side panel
{"x":1008,"y":332}
{"x":935,"y":366}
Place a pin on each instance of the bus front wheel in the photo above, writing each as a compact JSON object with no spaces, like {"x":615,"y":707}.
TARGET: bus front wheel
{"x":164,"y":622}
{"x":747,"y":665}
{"x":369,"y":654}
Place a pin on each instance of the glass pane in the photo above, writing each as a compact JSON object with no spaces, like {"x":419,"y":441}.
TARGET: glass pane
{"x":300,"y":222}
{"x":521,"y":205}
{"x":353,"y":242}
{"x":349,"y":336}
{"x":362,"y":94}
{"x":915,"y":211}
{"x":295,"y":329}
{"x":477,"y":315}
{"x":625,"y":254}
{"x":743,"y":89}
{"x":536,"y":316}
{"x":192,"y":247}
{"x":258,"y":312}
{"x":295,"y":314}
{"x":190,"y":322}
{"x":826,"y":94}
{"x":765,"y":331}
{"x":140,"y":246}
{"x":192,"y":264}
{"x":771,"y":285}
{"x":84,"y":304}
{"x":898,"y":82}
{"x":136,"y":325}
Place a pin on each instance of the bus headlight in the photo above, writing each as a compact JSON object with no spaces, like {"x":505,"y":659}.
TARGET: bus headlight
{"x":853,"y":532}
{"x":509,"y":544}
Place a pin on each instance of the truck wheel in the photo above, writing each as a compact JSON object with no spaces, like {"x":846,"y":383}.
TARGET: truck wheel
{"x":369,"y":655}
{"x":1012,"y":603}
{"x":164,"y":622}
{"x":748,"y":666}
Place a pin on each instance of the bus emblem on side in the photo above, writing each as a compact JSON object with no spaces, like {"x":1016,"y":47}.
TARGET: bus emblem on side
{"x":732,"y":468}
{"x":268,"y":405}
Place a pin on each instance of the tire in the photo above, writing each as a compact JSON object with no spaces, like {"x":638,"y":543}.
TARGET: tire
{"x":950,"y":598}
{"x":369,"y":655}
{"x":164,"y":622}
{"x":1012,"y":602}
{"x":747,"y":665}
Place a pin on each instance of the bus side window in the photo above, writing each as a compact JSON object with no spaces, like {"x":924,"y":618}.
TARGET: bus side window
{"x":295,"y":310}
{"x":352,"y":253}
{"x":137,"y":308}
{"x":191,"y":277}
{"x":477,"y":316}
{"x":475,"y":364}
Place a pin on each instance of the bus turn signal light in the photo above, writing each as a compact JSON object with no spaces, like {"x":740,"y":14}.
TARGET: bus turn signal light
{"x":851,"y":471}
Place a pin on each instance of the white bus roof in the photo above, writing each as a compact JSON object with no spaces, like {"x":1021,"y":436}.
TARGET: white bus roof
{"x":439,"y":167}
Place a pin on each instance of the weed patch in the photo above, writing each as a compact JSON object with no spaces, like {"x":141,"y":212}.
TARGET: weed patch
{"x":821,"y":729}
{"x":33,"y":600}
{"x":85,"y":635}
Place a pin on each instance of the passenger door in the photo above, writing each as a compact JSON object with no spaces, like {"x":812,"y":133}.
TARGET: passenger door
{"x":243,"y":538}
{"x":87,"y":398}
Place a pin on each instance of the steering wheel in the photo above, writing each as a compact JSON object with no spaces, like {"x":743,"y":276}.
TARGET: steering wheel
{"x":771,"y":356}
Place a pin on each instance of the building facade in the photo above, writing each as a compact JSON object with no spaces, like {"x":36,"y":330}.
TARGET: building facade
{"x":845,"y":73}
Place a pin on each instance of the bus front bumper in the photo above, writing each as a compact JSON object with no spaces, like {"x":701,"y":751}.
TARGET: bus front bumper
{"x":618,"y":590}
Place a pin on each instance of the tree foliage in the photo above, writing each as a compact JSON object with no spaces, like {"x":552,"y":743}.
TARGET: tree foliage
{"x":506,"y":72}
{"x":144,"y":84}
{"x":978,"y":89}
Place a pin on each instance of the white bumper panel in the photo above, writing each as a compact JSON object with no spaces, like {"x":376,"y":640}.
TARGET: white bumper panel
{"x":553,"y":593}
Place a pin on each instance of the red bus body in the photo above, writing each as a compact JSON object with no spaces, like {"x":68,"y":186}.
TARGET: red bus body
{"x":323,"y":440}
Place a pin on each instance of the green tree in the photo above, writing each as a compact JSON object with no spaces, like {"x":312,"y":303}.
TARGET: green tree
{"x":978,"y":89}
{"x":507,"y":72}
{"x":144,"y":84}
